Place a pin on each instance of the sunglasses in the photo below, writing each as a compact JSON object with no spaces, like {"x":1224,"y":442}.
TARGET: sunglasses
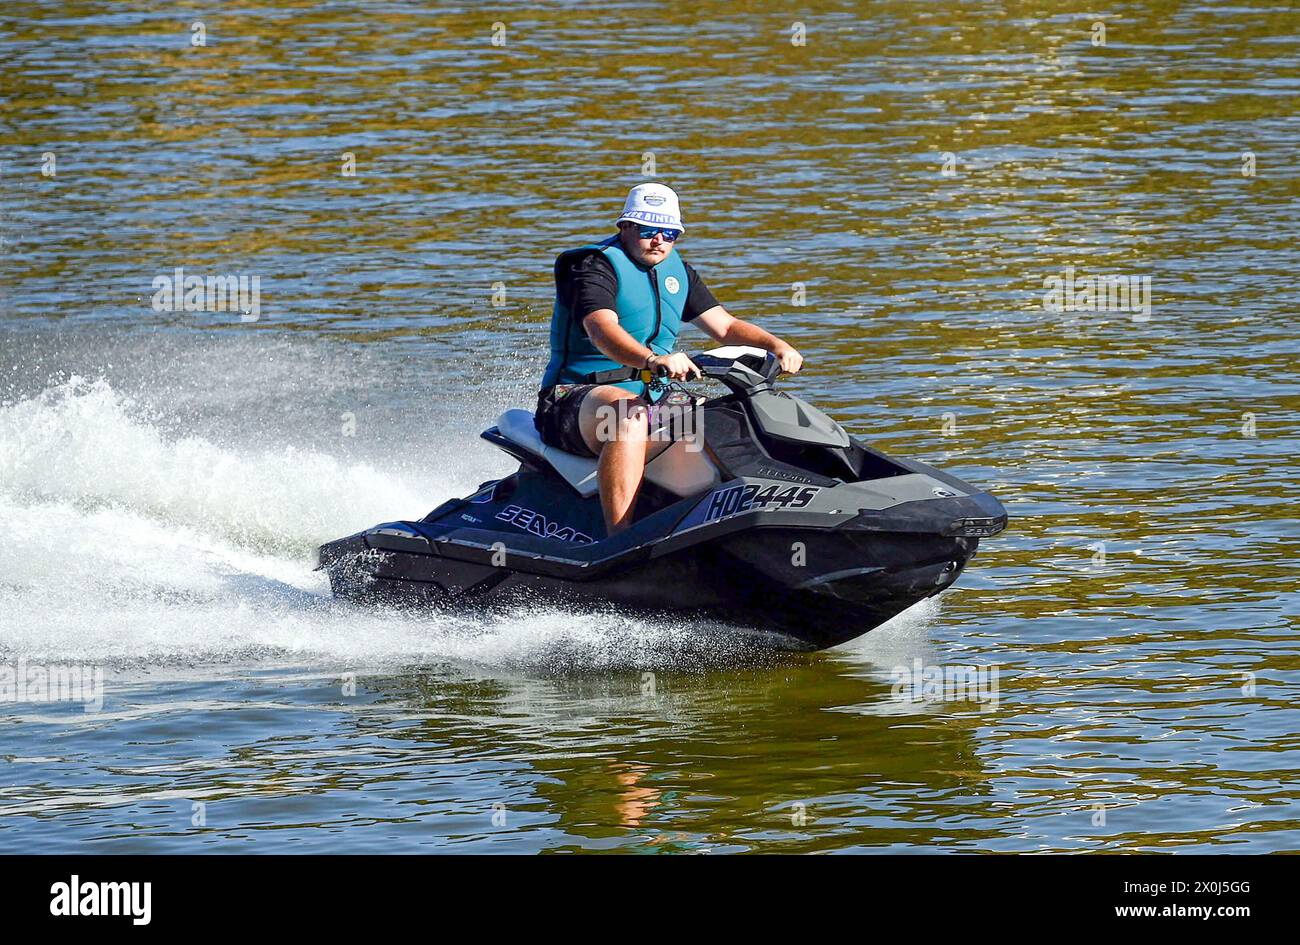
{"x":648,"y":233}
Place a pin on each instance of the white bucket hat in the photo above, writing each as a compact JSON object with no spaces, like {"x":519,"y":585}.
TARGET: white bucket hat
{"x":653,"y":205}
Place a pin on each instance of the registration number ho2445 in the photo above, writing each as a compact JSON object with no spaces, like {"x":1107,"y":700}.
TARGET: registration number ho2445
{"x":739,"y":499}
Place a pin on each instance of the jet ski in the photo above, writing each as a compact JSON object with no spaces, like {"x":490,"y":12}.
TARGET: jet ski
{"x":761,"y":512}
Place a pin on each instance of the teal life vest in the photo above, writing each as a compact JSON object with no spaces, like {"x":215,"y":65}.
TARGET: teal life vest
{"x":649,"y":304}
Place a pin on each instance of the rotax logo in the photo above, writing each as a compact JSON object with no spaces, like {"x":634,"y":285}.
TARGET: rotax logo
{"x":102,"y":899}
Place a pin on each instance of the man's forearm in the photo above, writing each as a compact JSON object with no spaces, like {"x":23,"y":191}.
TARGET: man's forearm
{"x":613,"y":341}
{"x":741,"y":332}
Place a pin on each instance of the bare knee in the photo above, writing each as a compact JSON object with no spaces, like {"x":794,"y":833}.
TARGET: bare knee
{"x":614,"y":415}
{"x":633,"y":421}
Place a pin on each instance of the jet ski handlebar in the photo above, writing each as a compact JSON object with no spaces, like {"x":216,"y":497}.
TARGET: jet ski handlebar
{"x":747,"y":372}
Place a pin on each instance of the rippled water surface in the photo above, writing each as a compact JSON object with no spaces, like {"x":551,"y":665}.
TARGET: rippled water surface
{"x":921,"y":169}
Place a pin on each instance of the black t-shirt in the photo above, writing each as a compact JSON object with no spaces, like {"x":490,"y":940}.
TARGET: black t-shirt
{"x":586,"y":282}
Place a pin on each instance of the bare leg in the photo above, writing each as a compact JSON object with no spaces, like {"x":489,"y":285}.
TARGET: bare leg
{"x":614,"y":424}
{"x":621,"y":469}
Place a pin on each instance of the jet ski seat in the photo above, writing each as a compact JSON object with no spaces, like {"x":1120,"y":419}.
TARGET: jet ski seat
{"x":517,"y":426}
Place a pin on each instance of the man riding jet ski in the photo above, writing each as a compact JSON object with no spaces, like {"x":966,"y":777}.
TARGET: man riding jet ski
{"x":752,"y":506}
{"x":620,"y":303}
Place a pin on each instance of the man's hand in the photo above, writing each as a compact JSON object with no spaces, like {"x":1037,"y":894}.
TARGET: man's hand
{"x":791,"y":360}
{"x":677,"y":366}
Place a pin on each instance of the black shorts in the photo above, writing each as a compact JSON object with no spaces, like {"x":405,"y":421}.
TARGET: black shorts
{"x":557,"y":417}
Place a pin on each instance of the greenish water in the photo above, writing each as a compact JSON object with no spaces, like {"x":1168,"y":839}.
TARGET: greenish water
{"x":922,"y":170}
